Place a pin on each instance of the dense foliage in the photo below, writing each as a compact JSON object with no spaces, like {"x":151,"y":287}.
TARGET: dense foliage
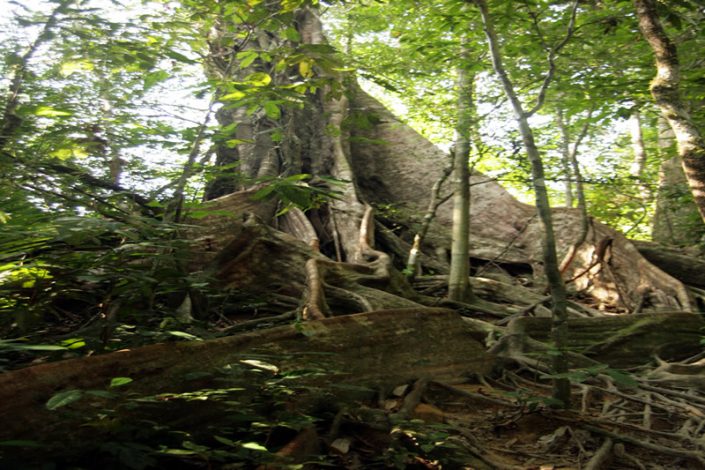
{"x":110,"y":137}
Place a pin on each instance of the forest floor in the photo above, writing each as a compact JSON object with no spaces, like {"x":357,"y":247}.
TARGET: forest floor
{"x":502,"y":419}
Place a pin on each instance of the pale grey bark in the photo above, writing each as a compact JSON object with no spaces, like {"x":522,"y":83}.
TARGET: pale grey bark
{"x":638,"y":165}
{"x":572,"y":157}
{"x":459,"y":277}
{"x":565,"y":158}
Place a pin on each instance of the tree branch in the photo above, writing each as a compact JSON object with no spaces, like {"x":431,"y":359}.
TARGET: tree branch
{"x":551,"y":61}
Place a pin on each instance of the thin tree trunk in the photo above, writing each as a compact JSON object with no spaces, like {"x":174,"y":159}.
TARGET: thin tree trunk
{"x":639,"y":149}
{"x":434,"y":203}
{"x":565,"y":158}
{"x":459,"y":278}
{"x":561,"y":389}
{"x":665,"y":91}
{"x":579,"y":193}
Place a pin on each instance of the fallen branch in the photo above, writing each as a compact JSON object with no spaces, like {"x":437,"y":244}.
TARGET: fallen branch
{"x":601,"y":457}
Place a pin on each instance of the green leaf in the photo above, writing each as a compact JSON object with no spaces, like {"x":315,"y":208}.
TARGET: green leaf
{"x":264,"y":192}
{"x":259,"y":79}
{"x":272,"y":110}
{"x":261,"y":365}
{"x":178,"y":57}
{"x":296,"y":195}
{"x":48,"y":111}
{"x":254,"y":446}
{"x":29,"y":347}
{"x":73,"y":66}
{"x":225,"y":440}
{"x":232,"y":143}
{"x":235,"y":95}
{"x":63,"y":398}
{"x":246,"y":58}
{"x":20,"y":443}
{"x":184,"y":335}
{"x":73,"y":343}
{"x":292,"y":35}
{"x":297,"y":177}
{"x":119,"y":381}
{"x":155,"y":77}
{"x":620,"y":378}
{"x":101,"y":393}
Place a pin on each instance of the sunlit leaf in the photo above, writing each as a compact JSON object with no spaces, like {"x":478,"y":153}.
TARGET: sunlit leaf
{"x":259,"y":79}
{"x":65,"y":153}
{"x":120,"y":381}
{"x":235,"y":95}
{"x":184,"y":335}
{"x":71,"y":67}
{"x":232,"y":143}
{"x":292,"y":35}
{"x":73,"y":343}
{"x":306,"y":68}
{"x":8,"y":345}
{"x":261,"y":365}
{"x":254,"y":446}
{"x":48,"y":111}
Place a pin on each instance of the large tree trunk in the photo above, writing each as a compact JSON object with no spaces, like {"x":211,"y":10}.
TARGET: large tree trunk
{"x":350,"y":136}
{"x":622,"y":342}
{"x":665,"y":90}
{"x":365,"y":352}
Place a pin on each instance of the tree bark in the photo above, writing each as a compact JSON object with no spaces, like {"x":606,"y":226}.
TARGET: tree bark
{"x":382,"y":349}
{"x":685,"y":266}
{"x":571,"y":154}
{"x":624,"y":341}
{"x":566,"y":160}
{"x":676,"y":218}
{"x":389,"y":166}
{"x":458,"y":279}
{"x":665,"y":91}
{"x":550,"y":258}
{"x":639,"y":150}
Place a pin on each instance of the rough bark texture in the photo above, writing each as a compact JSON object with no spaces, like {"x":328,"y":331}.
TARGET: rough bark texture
{"x":622,"y":341}
{"x":392,"y":162}
{"x":665,"y":91}
{"x":676,"y":219}
{"x":689,"y":267}
{"x":383,"y":349}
